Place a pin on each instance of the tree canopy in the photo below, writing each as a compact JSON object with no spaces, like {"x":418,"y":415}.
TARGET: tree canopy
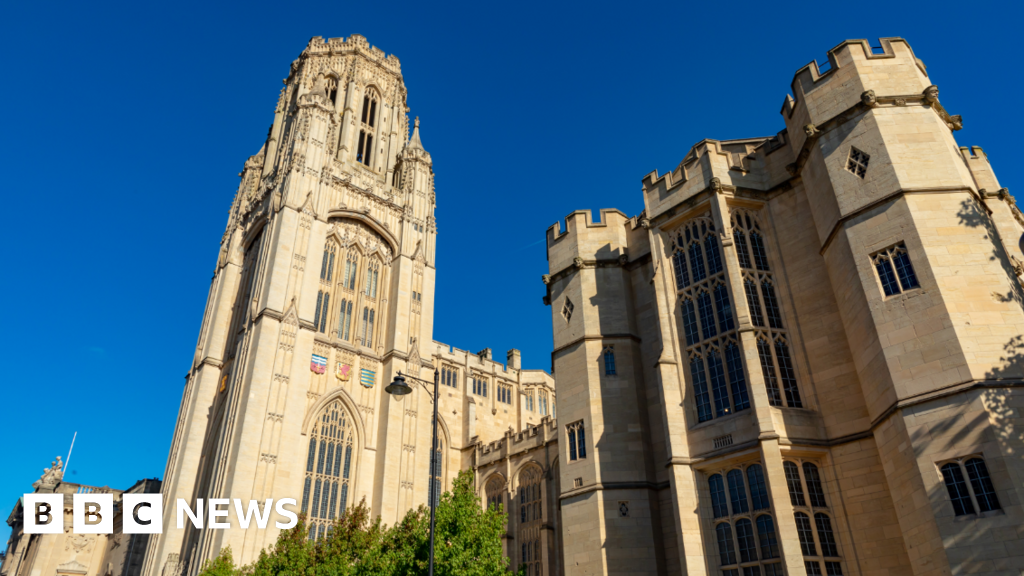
{"x":467,"y":543}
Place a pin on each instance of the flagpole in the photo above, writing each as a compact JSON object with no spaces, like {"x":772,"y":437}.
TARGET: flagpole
{"x":69,"y":451}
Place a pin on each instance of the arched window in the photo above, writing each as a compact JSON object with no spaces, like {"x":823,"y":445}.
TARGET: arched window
{"x":367,"y":335}
{"x":328,"y":468}
{"x":825,"y":536}
{"x":758,"y":490}
{"x":726,"y":551}
{"x":364,"y":150}
{"x":495,"y":490}
{"x":766,"y":534}
{"x":542,"y":401}
{"x":372,"y":272}
{"x":348,"y":281}
{"x":530,"y":519}
{"x":814,"y":489}
{"x":345,"y":319}
{"x":719,"y":507}
{"x":323,"y":300}
{"x":957,"y":489}
{"x":745,"y":540}
{"x":803,"y":530}
{"x":577,"y":441}
{"x":737,"y":493}
{"x":984,"y":492}
{"x":609,"y":361}
{"x":450,"y":376}
{"x":796,"y":490}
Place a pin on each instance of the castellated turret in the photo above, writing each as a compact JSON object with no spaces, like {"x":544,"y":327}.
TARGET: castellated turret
{"x":323,"y":292}
{"x":805,"y":353}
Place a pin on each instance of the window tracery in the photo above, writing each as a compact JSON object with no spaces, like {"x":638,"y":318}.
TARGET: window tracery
{"x":367,"y":129}
{"x":708,"y":320}
{"x":530,"y":519}
{"x":495,"y":490}
{"x":609,"y":361}
{"x":977,"y":495}
{"x":813,"y":517}
{"x":745,"y":532}
{"x":759,"y":287}
{"x":329,"y":467}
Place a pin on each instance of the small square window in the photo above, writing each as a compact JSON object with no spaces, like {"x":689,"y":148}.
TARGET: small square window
{"x":857,"y":163}
{"x":567,"y":309}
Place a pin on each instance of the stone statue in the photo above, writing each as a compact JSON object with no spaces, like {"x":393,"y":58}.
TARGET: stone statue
{"x":931,"y":94}
{"x":52,"y":475}
{"x":868,"y":98}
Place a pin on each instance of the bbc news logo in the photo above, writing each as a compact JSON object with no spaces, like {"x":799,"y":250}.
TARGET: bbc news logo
{"x":143,"y":513}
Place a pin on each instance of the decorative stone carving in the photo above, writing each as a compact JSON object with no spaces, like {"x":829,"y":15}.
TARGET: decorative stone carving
{"x":811,"y":131}
{"x":645,"y":223}
{"x":716,"y":185}
{"x":51,"y":476}
{"x":901,"y":101}
{"x":792,"y":169}
{"x":868,"y":98}
{"x":623,"y":259}
{"x":931,"y":94}
{"x":577,"y":262}
{"x":546,"y":279}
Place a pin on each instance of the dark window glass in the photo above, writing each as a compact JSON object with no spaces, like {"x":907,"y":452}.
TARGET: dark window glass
{"x":825,"y":536}
{"x":330,"y":268}
{"x":690,"y":323}
{"x":833,"y":569}
{"x":771,"y":383}
{"x":581,"y":442}
{"x":312,"y":454}
{"x":813,"y":568}
{"x":766,"y":534}
{"x":305,"y":495}
{"x":718,"y":389}
{"x":957,"y":489}
{"x":788,"y":375}
{"x":737,"y":494}
{"x":726,"y":551}
{"x":362,"y":143}
{"x":369,"y":150}
{"x":745,"y":539}
{"x":885,"y":274}
{"x":734,"y":361}
{"x":707,"y":316}
{"x":366,"y":107}
{"x":323,"y":267}
{"x":609,"y":363}
{"x":323,"y":314}
{"x":373,"y":112}
{"x":905,"y":269}
{"x":572,"y":445}
{"x":984,"y":492}
{"x":697,"y":262}
{"x":758,"y":491}
{"x":751,"y":571}
{"x":756,"y":317}
{"x":316,"y":311}
{"x":796,"y":491}
{"x":814,"y":489}
{"x":682,"y":276}
{"x":803,"y":529}
{"x":700,"y":389}
{"x":760,"y":256}
{"x":773,"y":569}
{"x":771,"y":304}
{"x":713,"y":254}
{"x":717,"y":487}
{"x":724,"y":307}
{"x":741,"y":248}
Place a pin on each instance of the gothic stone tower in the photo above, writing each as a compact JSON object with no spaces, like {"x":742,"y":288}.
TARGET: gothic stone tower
{"x":815,"y":345}
{"x":323,"y":290}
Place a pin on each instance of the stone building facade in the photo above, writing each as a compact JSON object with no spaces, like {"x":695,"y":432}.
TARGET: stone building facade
{"x":804,"y":356}
{"x":322,"y":293}
{"x":68,"y":554}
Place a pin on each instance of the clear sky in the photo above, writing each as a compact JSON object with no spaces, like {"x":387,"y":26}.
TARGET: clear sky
{"x":127,"y":124}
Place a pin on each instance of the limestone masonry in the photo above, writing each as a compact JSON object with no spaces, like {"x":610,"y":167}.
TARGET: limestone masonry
{"x":804,"y":356}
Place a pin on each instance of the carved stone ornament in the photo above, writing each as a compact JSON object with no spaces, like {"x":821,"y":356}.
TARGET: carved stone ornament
{"x":623,"y":259}
{"x":1018,"y":266}
{"x":868,"y":98}
{"x":901,"y":102}
{"x":546,"y":279}
{"x":811,"y":131}
{"x":791,"y":168}
{"x":931,"y":94}
{"x":716,"y":185}
{"x":51,"y":476}
{"x":577,"y":262}
{"x":645,"y":223}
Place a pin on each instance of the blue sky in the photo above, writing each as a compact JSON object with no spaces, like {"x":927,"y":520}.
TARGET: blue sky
{"x":126,"y":126}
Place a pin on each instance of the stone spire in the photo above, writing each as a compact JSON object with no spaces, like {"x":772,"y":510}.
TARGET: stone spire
{"x":414,"y":142}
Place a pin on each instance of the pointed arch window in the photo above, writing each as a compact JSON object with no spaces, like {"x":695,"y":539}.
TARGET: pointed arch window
{"x":345,"y":319}
{"x":495,"y":490}
{"x":329,"y":468}
{"x":372,"y":273}
{"x":577,"y":441}
{"x":980,"y":496}
{"x":368,"y":119}
{"x":609,"y":361}
{"x":530,"y":520}
{"x":366,"y":339}
{"x":708,"y":320}
{"x":813,"y":518}
{"x":745,"y":531}
{"x":348,"y":281}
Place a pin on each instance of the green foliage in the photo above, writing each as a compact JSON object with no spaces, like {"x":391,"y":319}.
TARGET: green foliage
{"x":467,"y":543}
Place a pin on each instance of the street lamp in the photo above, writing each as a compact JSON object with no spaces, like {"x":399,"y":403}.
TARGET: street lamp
{"x":399,"y":387}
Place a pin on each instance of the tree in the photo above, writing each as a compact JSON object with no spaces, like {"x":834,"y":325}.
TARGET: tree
{"x":467,"y":543}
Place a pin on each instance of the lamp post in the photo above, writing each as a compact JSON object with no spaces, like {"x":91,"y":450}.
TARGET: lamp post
{"x":400,"y":388}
